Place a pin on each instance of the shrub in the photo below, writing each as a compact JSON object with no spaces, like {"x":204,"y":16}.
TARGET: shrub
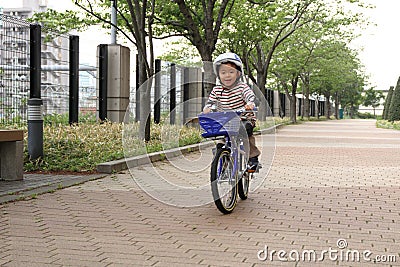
{"x":77,"y":148}
{"x":394,"y":111}
{"x":388,"y":101}
{"x":82,"y":146}
{"x":388,"y":125}
{"x":365,"y":115}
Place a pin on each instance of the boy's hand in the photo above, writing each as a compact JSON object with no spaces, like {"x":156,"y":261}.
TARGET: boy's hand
{"x":206,"y":110}
{"x":249,"y":106}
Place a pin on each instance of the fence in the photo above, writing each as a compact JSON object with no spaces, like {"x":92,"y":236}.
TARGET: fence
{"x":55,"y":50}
{"x":55,"y":57}
{"x":58,"y":80}
{"x":176,"y":94}
{"x":14,"y":76}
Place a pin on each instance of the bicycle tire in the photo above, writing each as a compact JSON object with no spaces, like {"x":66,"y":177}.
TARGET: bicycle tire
{"x":222,"y":177}
{"x":244,"y":179}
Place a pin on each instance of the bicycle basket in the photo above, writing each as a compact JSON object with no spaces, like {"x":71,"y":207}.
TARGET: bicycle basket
{"x":219,"y":123}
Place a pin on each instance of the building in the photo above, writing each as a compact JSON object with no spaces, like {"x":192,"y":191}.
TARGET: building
{"x":14,"y":57}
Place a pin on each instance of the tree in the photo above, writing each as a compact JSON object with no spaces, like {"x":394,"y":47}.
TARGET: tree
{"x":299,"y":56}
{"x":199,"y":22}
{"x":182,"y":53}
{"x":351,"y":96}
{"x":388,"y":101}
{"x":266,"y":27}
{"x":269,"y":26}
{"x":372,"y":98}
{"x":394,"y":111}
{"x":339,"y":75}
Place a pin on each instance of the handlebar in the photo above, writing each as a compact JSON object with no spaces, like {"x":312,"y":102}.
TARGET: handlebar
{"x":238,"y":111}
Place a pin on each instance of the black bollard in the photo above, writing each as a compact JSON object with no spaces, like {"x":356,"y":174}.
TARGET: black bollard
{"x":35,"y":128}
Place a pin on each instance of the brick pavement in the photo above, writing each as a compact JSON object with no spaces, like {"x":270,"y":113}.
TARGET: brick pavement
{"x":328,"y":181}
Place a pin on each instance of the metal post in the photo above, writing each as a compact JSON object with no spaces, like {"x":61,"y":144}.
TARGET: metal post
{"x":185,"y":94}
{"x":35,"y":74}
{"x":113,"y":21}
{"x":137,"y":95}
{"x":157,"y":91}
{"x":35,"y":103}
{"x":172,"y":95}
{"x":203,"y":90}
{"x":73,"y":78}
{"x":103,"y":80}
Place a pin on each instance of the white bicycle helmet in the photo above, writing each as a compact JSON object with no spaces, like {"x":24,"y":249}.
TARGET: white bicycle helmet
{"x":225,"y":58}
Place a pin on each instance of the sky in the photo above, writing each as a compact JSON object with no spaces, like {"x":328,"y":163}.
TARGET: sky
{"x":379,"y":50}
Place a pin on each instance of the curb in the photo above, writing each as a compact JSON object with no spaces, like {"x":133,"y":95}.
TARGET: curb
{"x":122,"y":164}
{"x":32,"y":192}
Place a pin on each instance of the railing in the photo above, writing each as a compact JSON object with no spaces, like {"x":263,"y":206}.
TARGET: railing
{"x":14,"y":77}
{"x":54,"y":76}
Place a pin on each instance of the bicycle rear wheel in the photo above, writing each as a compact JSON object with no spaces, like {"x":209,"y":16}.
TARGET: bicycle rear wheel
{"x":244,"y":178}
{"x":223,"y":181}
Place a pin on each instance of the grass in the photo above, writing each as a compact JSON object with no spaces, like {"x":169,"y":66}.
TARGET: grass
{"x":81,"y":147}
{"x":261,"y":125}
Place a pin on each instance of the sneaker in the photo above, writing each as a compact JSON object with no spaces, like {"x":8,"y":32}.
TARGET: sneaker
{"x":253,"y":165}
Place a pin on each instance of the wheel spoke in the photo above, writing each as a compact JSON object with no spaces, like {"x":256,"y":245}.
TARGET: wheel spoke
{"x":223,"y":181}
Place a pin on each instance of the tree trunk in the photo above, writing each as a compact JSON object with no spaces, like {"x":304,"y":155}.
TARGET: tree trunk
{"x":293,"y":106}
{"x":336,"y":105}
{"x":209,"y":77}
{"x":293,"y":100}
{"x":145,"y":107}
{"x":327,"y":105}
{"x":260,"y":94}
{"x":306,"y":103}
{"x":352,"y":111}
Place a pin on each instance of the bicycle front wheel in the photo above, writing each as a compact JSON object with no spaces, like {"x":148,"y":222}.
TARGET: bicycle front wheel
{"x":223,"y":181}
{"x":244,"y":178}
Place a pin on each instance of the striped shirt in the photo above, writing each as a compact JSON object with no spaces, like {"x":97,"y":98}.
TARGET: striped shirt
{"x":231,"y":99}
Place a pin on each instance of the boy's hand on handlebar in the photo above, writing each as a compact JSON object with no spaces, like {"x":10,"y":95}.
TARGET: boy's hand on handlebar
{"x":249,"y":106}
{"x":206,"y":110}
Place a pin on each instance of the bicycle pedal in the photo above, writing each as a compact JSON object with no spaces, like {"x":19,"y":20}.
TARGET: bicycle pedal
{"x":256,"y":170}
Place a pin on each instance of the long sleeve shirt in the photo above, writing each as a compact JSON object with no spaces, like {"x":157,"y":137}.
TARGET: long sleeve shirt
{"x":231,"y":99}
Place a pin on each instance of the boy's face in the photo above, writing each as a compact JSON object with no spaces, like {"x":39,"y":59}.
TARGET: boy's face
{"x":228,"y":74}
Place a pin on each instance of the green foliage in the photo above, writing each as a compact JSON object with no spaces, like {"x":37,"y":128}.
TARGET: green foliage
{"x":270,"y":122}
{"x":388,"y":101}
{"x":79,"y":148}
{"x":56,"y":23}
{"x":372,"y":98}
{"x":182,"y":53}
{"x":394,"y":111}
{"x":385,"y":124}
{"x":63,"y":119}
{"x":365,"y":115}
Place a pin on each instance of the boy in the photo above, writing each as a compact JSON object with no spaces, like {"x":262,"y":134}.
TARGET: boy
{"x":234,"y":94}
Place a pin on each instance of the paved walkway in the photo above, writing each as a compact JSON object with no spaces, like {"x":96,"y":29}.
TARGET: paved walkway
{"x":332,"y":194}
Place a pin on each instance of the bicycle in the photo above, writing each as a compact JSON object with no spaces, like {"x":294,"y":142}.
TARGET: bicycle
{"x":228,"y":176}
